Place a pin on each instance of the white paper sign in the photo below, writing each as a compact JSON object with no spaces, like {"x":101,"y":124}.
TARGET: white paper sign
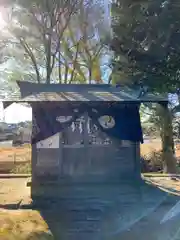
{"x":51,"y":142}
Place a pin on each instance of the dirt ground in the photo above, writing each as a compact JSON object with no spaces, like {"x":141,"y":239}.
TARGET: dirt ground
{"x":13,"y":190}
{"x":19,"y":224}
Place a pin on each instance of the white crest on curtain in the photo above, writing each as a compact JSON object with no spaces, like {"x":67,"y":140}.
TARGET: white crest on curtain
{"x":107,"y":121}
{"x":63,"y":119}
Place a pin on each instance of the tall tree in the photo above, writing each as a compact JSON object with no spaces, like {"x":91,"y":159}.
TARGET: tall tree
{"x":146,"y":51}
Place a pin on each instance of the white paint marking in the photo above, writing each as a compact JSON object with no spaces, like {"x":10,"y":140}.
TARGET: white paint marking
{"x":174,"y":211}
{"x":140,"y":217}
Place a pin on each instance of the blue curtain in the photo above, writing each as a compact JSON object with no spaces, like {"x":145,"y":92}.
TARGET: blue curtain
{"x":126,"y":118}
{"x":127,"y":122}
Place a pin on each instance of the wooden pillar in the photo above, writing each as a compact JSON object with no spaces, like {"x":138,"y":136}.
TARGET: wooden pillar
{"x":137,"y":165}
{"x":60,"y":156}
{"x":33,"y":158}
{"x":86,"y":138}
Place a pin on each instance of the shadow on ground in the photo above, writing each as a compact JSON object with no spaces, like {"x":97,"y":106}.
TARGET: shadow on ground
{"x":115,"y":211}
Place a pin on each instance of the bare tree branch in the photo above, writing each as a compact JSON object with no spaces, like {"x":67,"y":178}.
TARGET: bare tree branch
{"x":31,"y":55}
{"x":64,"y":27}
{"x":74,"y":63}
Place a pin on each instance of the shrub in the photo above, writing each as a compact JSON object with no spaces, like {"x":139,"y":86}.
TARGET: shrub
{"x":152,"y":162}
{"x":23,"y":168}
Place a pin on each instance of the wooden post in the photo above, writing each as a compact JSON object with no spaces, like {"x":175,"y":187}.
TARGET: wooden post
{"x":60,"y":156}
{"x":86,"y":137}
{"x":33,"y":160}
{"x":137,"y":166}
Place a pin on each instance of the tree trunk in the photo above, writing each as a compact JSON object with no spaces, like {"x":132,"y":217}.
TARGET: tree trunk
{"x":169,"y":160}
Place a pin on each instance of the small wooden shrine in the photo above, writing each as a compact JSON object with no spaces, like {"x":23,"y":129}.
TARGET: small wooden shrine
{"x":83,"y":133}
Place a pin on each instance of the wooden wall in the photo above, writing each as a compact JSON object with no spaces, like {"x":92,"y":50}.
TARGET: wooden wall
{"x":78,"y":155}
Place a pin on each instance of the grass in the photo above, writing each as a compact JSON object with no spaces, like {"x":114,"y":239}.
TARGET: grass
{"x":23,"y":168}
{"x":23,"y":225}
{"x":22,"y":153}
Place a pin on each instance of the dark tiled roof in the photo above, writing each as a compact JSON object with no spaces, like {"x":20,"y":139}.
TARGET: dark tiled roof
{"x":80,"y":92}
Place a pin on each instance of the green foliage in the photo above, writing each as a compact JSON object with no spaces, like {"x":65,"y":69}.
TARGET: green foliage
{"x":151,"y":123}
{"x":146,"y":34}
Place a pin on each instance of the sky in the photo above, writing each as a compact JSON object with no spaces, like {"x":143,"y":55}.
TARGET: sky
{"x":15,"y":113}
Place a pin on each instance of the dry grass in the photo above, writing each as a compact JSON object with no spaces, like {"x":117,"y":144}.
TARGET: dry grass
{"x":23,"y":225}
{"x":12,"y":157}
{"x":154,"y":146}
{"x":146,"y":148}
{"x":22,"y":153}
